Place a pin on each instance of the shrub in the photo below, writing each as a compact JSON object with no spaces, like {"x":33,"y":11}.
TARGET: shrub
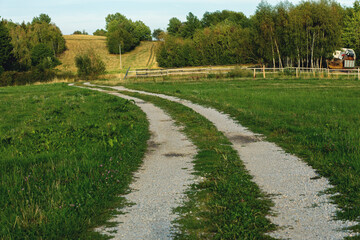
{"x":89,"y":65}
{"x":239,"y":72}
{"x":11,"y":78}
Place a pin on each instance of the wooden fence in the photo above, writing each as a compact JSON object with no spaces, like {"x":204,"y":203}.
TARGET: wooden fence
{"x":256,"y":72}
{"x":178,"y":71}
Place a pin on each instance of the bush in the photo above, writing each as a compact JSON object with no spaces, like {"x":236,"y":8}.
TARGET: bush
{"x":12,"y":78}
{"x":239,"y":72}
{"x":89,"y":65}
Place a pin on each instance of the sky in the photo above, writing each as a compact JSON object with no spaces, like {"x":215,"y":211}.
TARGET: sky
{"x":89,"y":15}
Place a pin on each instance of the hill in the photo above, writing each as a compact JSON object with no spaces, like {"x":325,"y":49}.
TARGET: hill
{"x":142,"y":56}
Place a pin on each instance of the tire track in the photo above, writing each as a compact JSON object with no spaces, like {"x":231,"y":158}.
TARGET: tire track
{"x":160,"y":183}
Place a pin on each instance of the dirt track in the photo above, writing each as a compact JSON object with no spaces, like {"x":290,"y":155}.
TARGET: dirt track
{"x":302,"y":210}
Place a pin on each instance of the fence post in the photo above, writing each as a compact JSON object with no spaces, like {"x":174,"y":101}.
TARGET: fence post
{"x":264,"y":71}
{"x":358,"y":73}
{"x":297,"y":72}
{"x":254,"y":73}
{"x":328,"y":72}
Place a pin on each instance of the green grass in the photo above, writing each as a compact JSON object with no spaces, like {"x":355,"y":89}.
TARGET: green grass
{"x":318,"y":120}
{"x":65,"y":156}
{"x":225,"y":203}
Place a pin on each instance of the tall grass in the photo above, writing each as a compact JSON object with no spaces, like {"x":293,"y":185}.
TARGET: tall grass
{"x":65,"y":156}
{"x":318,"y":120}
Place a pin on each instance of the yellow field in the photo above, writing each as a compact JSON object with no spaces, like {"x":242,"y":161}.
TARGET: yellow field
{"x":141,"y":57}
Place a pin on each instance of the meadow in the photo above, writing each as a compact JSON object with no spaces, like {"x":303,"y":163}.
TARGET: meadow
{"x":65,"y":155}
{"x":142,"y":56}
{"x":316,"y":119}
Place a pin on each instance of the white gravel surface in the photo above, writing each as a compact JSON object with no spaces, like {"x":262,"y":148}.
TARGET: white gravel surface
{"x":302,"y":210}
{"x":160,"y":183}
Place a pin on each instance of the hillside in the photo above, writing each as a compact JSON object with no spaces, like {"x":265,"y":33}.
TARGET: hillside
{"x":141,"y":57}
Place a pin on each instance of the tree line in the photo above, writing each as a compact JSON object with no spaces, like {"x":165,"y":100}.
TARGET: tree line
{"x":283,"y":35}
{"x":33,"y":43}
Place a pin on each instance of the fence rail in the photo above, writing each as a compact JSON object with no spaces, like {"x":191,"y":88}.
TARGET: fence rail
{"x":263,"y":72}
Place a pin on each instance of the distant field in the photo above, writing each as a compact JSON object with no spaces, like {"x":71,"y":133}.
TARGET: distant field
{"x":142,"y":57}
{"x":319,"y":120}
{"x":65,"y":156}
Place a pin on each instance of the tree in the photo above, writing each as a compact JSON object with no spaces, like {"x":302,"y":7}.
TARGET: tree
{"x":120,"y":37}
{"x":129,"y":34}
{"x":100,"y":32}
{"x":217,"y":17}
{"x":141,"y":31}
{"x":351,"y":32}
{"x":78,"y":32}
{"x":190,"y":26}
{"x":174,"y":26}
{"x":43,"y":18}
{"x":43,"y":57}
{"x":7,"y":59}
{"x":156,"y":33}
{"x":25,"y":36}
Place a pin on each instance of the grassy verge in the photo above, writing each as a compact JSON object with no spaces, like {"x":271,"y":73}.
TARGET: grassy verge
{"x":65,"y":156}
{"x":318,"y":120}
{"x":225,"y":203}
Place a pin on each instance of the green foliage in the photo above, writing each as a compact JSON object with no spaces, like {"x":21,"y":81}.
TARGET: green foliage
{"x":100,"y":32}
{"x":14,"y":78}
{"x":210,"y":19}
{"x":43,"y":18}
{"x":174,"y":26}
{"x":43,"y":57}
{"x":188,"y":29}
{"x":26,"y":36}
{"x":285,"y":35}
{"x":66,"y":154}
{"x":129,"y":34}
{"x":220,"y":44}
{"x":89,"y":65}
{"x":141,"y":31}
{"x":351,"y":34}
{"x":157,"y":34}
{"x":7,"y":59}
{"x":120,"y":37}
{"x":83,"y":32}
{"x":238,"y":72}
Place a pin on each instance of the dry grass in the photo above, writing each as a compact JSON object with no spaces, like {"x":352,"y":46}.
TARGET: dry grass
{"x":141,"y":57}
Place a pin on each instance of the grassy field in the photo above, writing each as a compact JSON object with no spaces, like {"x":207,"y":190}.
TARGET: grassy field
{"x":142,"y":57}
{"x":65,"y":156}
{"x":318,"y":120}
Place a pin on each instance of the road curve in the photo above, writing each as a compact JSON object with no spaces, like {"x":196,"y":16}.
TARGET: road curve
{"x":160,"y":183}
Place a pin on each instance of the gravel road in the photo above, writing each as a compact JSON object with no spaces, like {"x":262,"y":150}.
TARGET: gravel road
{"x":301,"y":209}
{"x":160,"y":183}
